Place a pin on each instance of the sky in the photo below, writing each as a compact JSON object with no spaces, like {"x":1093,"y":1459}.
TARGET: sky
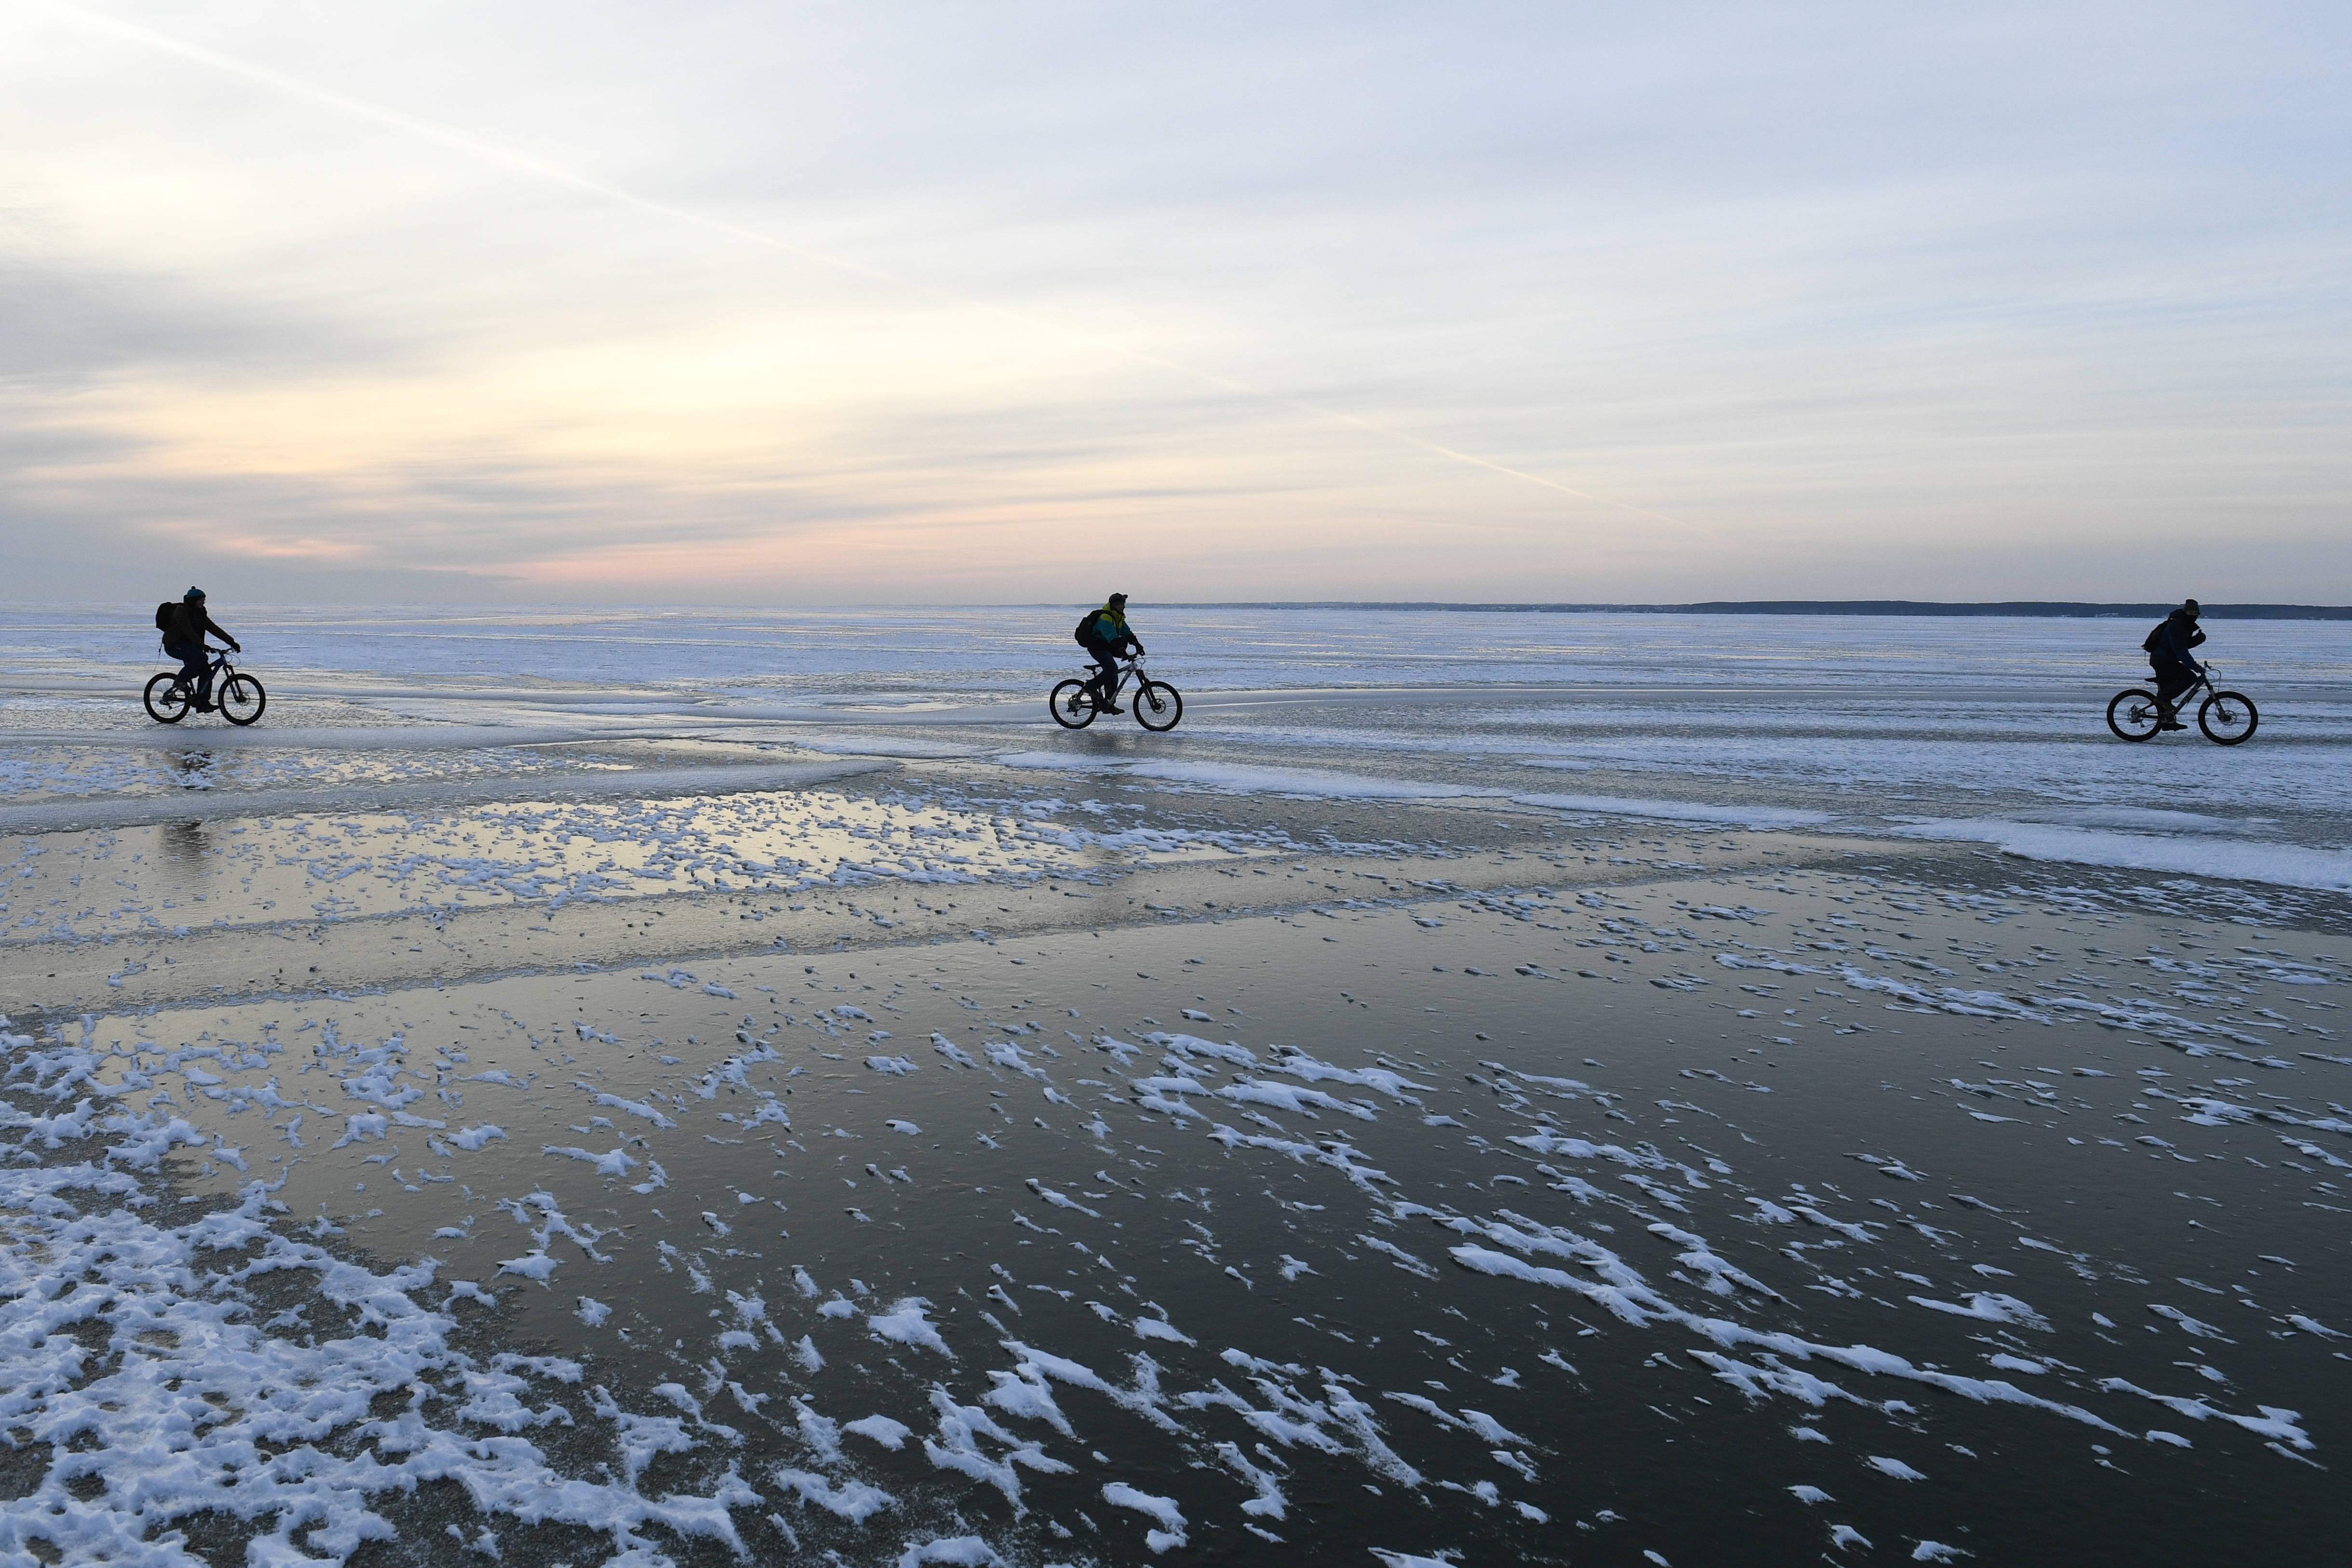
{"x":879,"y":303}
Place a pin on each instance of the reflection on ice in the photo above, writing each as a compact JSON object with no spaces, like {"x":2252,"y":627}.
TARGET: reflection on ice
{"x":43,"y":773}
{"x":76,"y":885}
{"x":1856,"y":719}
{"x":1542,"y":1221}
{"x":1446,"y":1251}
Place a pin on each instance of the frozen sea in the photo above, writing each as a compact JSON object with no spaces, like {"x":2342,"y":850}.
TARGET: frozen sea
{"x":1980,"y":729}
{"x":1486,"y":1087}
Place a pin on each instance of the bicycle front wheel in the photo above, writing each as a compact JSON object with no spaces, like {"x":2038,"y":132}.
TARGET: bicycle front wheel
{"x":2228,"y":718}
{"x":1073,"y":705}
{"x":2134,"y":714}
{"x":1158,"y":705}
{"x":166,"y":700}
{"x":242,"y":699}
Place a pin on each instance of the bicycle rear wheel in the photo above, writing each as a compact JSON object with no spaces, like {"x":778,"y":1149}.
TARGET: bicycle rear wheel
{"x":166,"y":700}
{"x":2227,"y":718}
{"x":1072,"y":705}
{"x":242,"y":699}
{"x":2134,"y":715}
{"x":1158,"y":705}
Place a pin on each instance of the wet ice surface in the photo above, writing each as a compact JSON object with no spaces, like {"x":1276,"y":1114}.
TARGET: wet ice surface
{"x":74,"y":887}
{"x":1553,"y":1223}
{"x":1977,"y":729}
{"x":1543,"y":1195}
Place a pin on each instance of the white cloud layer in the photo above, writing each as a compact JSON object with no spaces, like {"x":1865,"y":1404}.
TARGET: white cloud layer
{"x":834,"y":303}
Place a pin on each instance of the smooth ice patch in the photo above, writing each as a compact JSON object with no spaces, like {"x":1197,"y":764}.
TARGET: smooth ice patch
{"x":1243,"y":779}
{"x":1678,"y":810}
{"x":2205,"y":855}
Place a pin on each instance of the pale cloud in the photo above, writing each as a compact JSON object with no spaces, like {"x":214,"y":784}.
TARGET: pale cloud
{"x":952,"y":302}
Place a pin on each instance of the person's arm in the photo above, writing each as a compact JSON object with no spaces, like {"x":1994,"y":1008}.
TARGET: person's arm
{"x":214,"y":626}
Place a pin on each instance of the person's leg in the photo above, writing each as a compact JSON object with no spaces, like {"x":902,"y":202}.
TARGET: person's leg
{"x":195,"y":671}
{"x":1107,"y":681}
{"x":203,"y":681}
{"x":2172,"y":678}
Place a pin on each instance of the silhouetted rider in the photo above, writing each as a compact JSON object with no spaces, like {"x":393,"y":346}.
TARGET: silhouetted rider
{"x":1105,"y":634}
{"x":2168,"y":650}
{"x":185,"y":627}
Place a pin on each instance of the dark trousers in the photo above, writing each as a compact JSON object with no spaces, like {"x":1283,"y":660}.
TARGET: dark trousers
{"x":2172,"y":678}
{"x":196,"y":669}
{"x":1107,"y":656}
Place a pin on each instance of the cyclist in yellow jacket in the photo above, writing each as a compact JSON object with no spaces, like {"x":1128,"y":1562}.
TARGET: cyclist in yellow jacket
{"x":1106,"y":634}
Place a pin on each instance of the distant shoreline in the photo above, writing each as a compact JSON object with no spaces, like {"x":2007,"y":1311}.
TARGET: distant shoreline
{"x":2046,"y":608}
{"x":2043,"y":609}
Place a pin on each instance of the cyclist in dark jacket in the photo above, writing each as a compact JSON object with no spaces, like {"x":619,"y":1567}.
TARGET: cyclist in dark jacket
{"x":1106,"y":634}
{"x":2167,"y":651}
{"x":184,"y":640}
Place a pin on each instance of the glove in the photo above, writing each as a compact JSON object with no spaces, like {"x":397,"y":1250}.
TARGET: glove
{"x":236,"y":647}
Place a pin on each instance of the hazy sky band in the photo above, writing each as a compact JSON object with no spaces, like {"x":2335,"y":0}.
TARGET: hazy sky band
{"x":940,"y":303}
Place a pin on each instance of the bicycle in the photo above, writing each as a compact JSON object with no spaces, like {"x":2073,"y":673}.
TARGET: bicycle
{"x":168,"y":696}
{"x":2228,"y":718}
{"x":1158,"y":705}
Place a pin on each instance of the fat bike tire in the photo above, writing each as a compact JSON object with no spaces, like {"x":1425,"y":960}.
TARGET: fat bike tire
{"x":166,"y":700}
{"x":242,"y":699}
{"x":1072,"y":705}
{"x":2228,"y":718}
{"x":2134,"y":714}
{"x":1157,"y":705}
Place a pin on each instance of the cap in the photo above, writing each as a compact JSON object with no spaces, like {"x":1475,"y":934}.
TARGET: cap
{"x":2189,"y":606}
{"x":1118,"y":599}
{"x":194,"y":594}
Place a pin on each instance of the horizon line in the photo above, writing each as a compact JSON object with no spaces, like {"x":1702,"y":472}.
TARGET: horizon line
{"x":2082,"y":609}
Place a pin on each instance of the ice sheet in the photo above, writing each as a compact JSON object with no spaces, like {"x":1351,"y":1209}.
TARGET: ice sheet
{"x":1456,"y":1191}
{"x":2197,"y":849}
{"x":1064,"y":1288}
{"x":1757,"y":721}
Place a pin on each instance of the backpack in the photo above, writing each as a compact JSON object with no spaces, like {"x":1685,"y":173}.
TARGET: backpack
{"x":1085,"y":635}
{"x":2155,"y":636}
{"x":163,"y":613}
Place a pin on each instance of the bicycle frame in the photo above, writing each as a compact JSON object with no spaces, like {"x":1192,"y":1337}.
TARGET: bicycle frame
{"x":170,"y":695}
{"x":1127,"y":667}
{"x":1157,"y":705}
{"x":2226,"y":718}
{"x":2204,"y":681}
{"x":220,"y":669}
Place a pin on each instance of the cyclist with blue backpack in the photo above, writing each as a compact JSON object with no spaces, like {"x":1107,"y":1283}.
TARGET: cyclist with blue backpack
{"x":1106,"y":634}
{"x":2167,"y":651}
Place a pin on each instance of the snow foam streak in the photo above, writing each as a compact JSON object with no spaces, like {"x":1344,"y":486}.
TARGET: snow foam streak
{"x":1621,"y":1291}
{"x":132,"y":1348}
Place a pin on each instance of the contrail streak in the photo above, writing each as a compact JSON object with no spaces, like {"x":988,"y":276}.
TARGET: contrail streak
{"x":539,"y":169}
